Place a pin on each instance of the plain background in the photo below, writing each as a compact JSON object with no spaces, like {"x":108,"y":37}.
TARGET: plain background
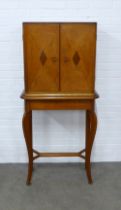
{"x":60,"y":130}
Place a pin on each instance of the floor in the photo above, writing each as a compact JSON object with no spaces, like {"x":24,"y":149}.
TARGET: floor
{"x":60,"y":187}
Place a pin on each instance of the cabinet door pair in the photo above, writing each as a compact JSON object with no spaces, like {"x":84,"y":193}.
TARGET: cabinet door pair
{"x":59,"y":57}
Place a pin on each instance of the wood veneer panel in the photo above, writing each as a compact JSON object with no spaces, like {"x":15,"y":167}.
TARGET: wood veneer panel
{"x":41,"y":57}
{"x":78,"y":46}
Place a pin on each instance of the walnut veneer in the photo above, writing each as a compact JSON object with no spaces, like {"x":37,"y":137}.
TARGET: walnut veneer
{"x":59,"y":73}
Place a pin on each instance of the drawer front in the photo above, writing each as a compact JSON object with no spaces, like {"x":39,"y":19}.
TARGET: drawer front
{"x":41,"y":57}
{"x":78,"y":46}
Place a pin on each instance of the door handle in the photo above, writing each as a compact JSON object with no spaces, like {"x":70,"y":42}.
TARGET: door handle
{"x":66,"y":59}
{"x":54,"y":59}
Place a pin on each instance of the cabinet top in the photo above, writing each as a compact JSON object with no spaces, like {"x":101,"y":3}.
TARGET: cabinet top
{"x":59,"y":23}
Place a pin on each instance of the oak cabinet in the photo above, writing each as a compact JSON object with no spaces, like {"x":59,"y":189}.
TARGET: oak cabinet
{"x":59,"y":73}
{"x":60,"y":57}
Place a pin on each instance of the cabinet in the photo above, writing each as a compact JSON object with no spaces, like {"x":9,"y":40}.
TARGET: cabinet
{"x":59,"y":73}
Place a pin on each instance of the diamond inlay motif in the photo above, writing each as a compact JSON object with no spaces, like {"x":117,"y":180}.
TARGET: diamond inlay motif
{"x":43,"y":58}
{"x":76,"y":58}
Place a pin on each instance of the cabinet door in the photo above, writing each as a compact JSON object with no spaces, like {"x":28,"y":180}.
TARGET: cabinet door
{"x":41,"y":57}
{"x":78,"y":43}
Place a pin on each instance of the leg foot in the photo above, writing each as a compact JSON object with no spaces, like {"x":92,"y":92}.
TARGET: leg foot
{"x":27,"y":130}
{"x":91,"y":126}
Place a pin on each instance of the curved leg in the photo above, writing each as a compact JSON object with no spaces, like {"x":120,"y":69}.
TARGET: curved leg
{"x":27,"y":130}
{"x":91,"y":126}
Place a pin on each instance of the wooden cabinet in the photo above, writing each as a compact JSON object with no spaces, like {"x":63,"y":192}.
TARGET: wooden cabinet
{"x":59,"y":71}
{"x":59,"y":57}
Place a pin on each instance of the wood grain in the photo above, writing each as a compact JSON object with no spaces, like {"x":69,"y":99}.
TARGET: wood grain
{"x":78,"y":46}
{"x":41,"y":53}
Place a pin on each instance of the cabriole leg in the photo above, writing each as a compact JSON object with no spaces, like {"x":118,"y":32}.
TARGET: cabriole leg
{"x":27,"y":130}
{"x":91,"y":126}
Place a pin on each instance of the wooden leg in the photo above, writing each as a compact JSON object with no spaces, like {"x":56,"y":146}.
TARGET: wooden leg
{"x":27,"y":130}
{"x":91,"y":126}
